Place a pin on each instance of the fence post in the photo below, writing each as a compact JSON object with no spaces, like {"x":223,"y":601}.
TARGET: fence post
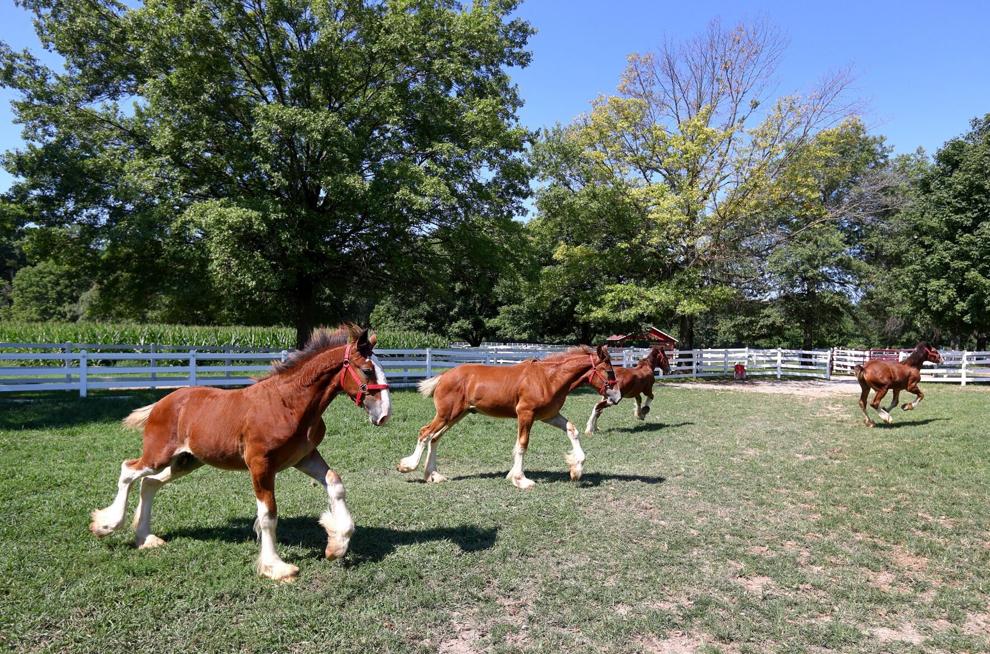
{"x":429,"y":362}
{"x":964,"y":361}
{"x":66,"y":348}
{"x":82,"y":373}
{"x":694,"y":363}
{"x":285,"y":355}
{"x":192,"y":367}
{"x":779,"y":356}
{"x":828,"y":365}
{"x":154,"y":364}
{"x":227,"y":362}
{"x":725,"y":363}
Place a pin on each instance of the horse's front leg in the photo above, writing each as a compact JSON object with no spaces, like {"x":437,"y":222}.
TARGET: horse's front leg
{"x":337,"y":521}
{"x":269,"y":563}
{"x":516,"y":474}
{"x":919,"y":396}
{"x":646,"y":403}
{"x":575,"y":458}
{"x":596,"y":413}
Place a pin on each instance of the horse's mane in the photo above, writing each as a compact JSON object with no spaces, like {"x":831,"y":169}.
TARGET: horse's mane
{"x":568,"y":353}
{"x":320,"y":340}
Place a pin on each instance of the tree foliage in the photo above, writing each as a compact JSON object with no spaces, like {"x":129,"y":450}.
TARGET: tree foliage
{"x":297,"y":148}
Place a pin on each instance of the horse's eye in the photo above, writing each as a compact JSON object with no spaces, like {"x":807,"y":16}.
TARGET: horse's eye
{"x":369,"y":373}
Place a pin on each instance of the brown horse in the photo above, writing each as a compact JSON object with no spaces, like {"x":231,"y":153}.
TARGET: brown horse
{"x":883,"y":376}
{"x":265,"y":428}
{"x":528,"y":391}
{"x":633,"y":382}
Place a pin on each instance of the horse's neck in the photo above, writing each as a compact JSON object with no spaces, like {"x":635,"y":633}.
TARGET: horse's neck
{"x":570,"y":372}
{"x":316,"y":381}
{"x":916,"y":359}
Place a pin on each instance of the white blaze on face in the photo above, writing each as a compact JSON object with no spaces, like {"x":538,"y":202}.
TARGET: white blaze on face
{"x":613,"y":395}
{"x":379,"y":406}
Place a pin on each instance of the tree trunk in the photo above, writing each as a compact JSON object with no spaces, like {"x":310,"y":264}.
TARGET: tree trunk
{"x":305,"y":312}
{"x":981,"y":342}
{"x":686,"y":333}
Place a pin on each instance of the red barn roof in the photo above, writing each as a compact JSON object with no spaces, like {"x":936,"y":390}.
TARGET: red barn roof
{"x":650,"y":334}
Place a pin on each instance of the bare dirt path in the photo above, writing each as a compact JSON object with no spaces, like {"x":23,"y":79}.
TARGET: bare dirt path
{"x":810,"y":388}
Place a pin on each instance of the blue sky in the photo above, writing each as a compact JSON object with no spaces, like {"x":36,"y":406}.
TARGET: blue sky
{"x":922,"y":69}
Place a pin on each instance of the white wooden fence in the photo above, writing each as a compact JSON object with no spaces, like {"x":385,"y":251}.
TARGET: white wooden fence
{"x":958,"y":367}
{"x":69,"y":367}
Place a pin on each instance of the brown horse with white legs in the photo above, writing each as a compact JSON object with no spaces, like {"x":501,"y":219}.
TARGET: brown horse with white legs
{"x":632,"y":382}
{"x":263,"y":429}
{"x":528,"y":391}
{"x":883,"y":376}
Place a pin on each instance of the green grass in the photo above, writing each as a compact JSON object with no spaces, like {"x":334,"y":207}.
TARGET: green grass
{"x":728,"y":522}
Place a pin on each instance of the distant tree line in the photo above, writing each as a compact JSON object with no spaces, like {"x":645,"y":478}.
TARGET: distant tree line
{"x":297,"y":163}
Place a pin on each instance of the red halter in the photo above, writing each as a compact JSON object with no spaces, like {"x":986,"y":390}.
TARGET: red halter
{"x":362,"y":388}
{"x":607,"y":383}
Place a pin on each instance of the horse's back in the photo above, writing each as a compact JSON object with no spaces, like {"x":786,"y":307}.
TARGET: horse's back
{"x":493,"y":390}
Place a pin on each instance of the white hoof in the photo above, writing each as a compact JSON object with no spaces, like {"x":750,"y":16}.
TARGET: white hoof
{"x":150,"y":541}
{"x":278,"y":570}
{"x":576,"y":472}
{"x":102,"y":525}
{"x":522,"y":482}
{"x":405,"y":465}
{"x":434,"y":478}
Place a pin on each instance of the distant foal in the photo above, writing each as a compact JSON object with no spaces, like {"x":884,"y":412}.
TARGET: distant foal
{"x":883,"y":376}
{"x":632,"y":382}
{"x":528,"y":391}
{"x":263,"y":429}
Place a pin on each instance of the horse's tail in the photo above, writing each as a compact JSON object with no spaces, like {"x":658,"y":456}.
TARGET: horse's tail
{"x":427,"y":386}
{"x":138,"y":417}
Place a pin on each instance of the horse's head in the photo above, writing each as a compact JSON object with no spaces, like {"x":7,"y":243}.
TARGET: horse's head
{"x":363,"y":378}
{"x":602,"y":376}
{"x":658,"y":357}
{"x":931,"y":354}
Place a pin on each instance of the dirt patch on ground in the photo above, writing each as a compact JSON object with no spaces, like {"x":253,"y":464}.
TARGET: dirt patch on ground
{"x":815,"y":389}
{"x":906,"y":633}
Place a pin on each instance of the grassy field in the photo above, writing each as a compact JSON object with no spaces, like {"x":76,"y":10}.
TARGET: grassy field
{"x":728,"y":522}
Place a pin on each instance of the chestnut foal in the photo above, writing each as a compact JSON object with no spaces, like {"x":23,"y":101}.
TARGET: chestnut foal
{"x":265,"y":428}
{"x":883,"y":376}
{"x":528,"y":391}
{"x":632,"y":382}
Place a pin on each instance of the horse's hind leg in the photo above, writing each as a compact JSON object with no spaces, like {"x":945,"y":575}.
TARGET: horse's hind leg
{"x":575,"y":458}
{"x":105,"y":521}
{"x":180,"y":466}
{"x":893,"y":400}
{"x":269,"y":563}
{"x":438,"y":425}
{"x":430,"y":474}
{"x":879,"y":409}
{"x":337,"y":520}
{"x":863,"y":397}
{"x":592,"y":425}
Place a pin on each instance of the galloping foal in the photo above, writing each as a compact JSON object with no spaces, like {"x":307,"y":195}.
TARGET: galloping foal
{"x":265,"y":428}
{"x":632,"y":382}
{"x":883,"y":376}
{"x":528,"y":391}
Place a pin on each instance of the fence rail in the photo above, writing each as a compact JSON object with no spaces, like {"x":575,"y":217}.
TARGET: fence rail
{"x":74,"y":367}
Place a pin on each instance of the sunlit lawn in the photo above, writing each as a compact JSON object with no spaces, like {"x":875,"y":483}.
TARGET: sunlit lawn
{"x":728,"y":521}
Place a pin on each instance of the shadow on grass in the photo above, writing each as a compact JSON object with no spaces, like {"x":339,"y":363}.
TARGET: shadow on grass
{"x":55,"y":410}
{"x":368,"y":545}
{"x":588,"y":479}
{"x":909,"y":423}
{"x":647,"y":426}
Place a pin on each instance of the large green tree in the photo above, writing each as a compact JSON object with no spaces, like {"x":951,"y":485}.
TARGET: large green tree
{"x":673,"y":175}
{"x":282,"y":156}
{"x":946,"y":261}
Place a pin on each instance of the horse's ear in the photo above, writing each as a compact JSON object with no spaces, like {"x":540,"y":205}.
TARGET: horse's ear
{"x":364,"y":344}
{"x":603,"y":352}
{"x":373,"y":339}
